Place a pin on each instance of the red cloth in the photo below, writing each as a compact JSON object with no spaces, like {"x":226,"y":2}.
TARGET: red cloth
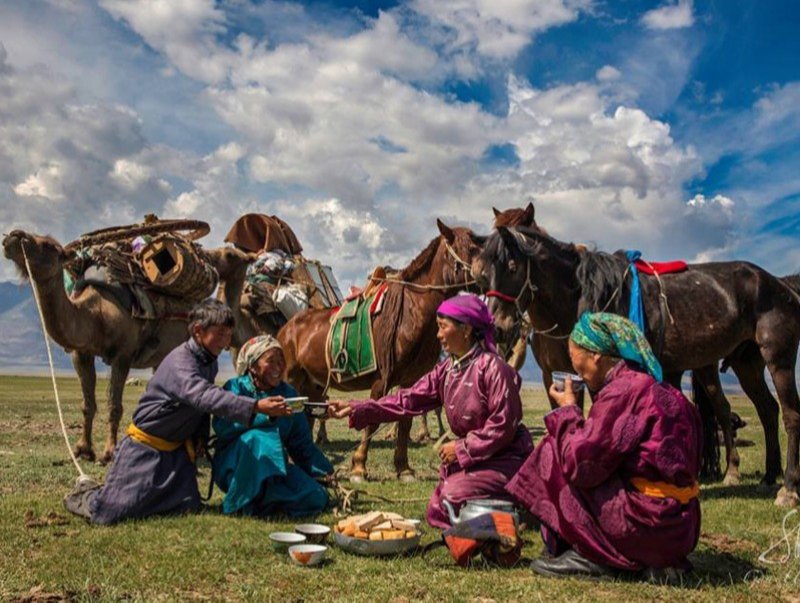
{"x":661,"y":267}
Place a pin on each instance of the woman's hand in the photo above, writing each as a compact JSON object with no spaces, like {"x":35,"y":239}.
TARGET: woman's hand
{"x":567,"y":397}
{"x":447,"y":453}
{"x":273,"y":406}
{"x":338,"y":409}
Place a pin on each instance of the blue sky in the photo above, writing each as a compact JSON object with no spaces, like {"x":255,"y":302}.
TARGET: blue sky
{"x":668,"y":126}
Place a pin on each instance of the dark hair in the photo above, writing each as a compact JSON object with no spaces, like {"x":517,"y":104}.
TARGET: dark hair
{"x":210,"y":312}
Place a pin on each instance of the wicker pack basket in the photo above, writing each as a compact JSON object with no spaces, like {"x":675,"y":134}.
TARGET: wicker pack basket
{"x":174,"y":267}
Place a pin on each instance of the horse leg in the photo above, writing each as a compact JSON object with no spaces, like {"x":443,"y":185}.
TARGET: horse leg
{"x":358,"y":464}
{"x":781,"y":366}
{"x":438,"y":412}
{"x":750,"y":372}
{"x":424,"y":434}
{"x":119,"y":373}
{"x":708,"y":377}
{"x":84,"y":367}
{"x":404,"y":472}
{"x":391,"y":433}
{"x":322,"y":432}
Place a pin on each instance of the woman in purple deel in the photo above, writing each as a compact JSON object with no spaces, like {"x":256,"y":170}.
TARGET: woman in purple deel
{"x":615,"y":491}
{"x":480,"y":396}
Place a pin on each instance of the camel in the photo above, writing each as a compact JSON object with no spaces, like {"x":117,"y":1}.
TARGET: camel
{"x":93,"y":323}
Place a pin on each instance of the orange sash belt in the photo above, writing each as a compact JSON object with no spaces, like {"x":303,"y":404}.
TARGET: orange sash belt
{"x":664,"y":490}
{"x":159,"y":444}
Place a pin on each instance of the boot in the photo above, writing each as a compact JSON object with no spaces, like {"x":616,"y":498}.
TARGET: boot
{"x":77,"y":501}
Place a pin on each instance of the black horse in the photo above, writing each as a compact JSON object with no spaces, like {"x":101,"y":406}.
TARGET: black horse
{"x":695,"y":318}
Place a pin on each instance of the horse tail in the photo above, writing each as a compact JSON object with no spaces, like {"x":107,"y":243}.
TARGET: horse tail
{"x":710,"y":462}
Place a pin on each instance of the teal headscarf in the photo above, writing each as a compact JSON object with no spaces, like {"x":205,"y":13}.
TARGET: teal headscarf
{"x":615,"y":335}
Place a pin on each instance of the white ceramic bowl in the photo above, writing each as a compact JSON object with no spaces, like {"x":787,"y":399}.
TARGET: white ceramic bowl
{"x":283,"y":540}
{"x":315,"y":533}
{"x":560,"y":377}
{"x":307,"y":554}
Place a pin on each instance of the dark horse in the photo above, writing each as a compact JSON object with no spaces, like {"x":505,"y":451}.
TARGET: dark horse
{"x":404,"y":334}
{"x":551,"y":353}
{"x":706,"y":313}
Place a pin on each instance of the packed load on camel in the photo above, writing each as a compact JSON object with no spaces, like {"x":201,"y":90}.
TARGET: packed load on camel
{"x":153,"y":268}
{"x":281,"y":281}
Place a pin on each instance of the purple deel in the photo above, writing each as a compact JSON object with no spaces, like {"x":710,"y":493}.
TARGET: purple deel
{"x":480,"y":396}
{"x":577,"y":481}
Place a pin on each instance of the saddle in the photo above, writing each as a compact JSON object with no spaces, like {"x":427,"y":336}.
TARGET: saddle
{"x":351,"y":345}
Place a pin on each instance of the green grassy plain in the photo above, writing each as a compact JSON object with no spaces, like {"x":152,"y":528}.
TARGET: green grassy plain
{"x":47,"y":555}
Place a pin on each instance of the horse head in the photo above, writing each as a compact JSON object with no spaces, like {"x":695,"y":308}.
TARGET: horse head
{"x":461,"y":246}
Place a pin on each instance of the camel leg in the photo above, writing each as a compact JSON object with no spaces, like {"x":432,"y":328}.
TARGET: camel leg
{"x":119,"y":373}
{"x":709,"y":380}
{"x":84,"y":367}
{"x":750,"y":372}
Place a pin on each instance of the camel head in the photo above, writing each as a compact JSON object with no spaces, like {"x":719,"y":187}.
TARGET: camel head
{"x":229,"y":262}
{"x":45,"y":254}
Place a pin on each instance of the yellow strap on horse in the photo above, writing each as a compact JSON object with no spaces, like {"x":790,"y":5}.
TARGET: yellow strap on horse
{"x":160,"y":444}
{"x":664,"y":490}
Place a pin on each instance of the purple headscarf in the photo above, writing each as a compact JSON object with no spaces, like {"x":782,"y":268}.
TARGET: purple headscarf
{"x":470,"y":310}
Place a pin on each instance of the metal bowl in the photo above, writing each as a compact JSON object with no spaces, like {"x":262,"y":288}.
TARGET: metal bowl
{"x":376,"y":548}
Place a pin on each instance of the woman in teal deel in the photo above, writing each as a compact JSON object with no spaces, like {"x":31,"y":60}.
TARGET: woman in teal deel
{"x":252,"y":462}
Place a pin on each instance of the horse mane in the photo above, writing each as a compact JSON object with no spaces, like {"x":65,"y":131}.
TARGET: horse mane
{"x":462,"y":239}
{"x":422,"y":260}
{"x":601,"y":276}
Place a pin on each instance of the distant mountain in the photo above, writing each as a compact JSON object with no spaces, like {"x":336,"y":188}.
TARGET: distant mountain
{"x":23,"y":348}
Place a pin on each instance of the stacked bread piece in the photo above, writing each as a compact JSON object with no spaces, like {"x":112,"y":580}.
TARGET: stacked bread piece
{"x":377,"y":525}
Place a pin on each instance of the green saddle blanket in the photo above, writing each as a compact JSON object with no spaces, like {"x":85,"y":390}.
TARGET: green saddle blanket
{"x":351,"y":345}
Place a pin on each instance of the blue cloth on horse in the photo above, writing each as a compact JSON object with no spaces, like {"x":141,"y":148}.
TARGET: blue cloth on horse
{"x":251,"y":464}
{"x":636,"y":310}
{"x":143,"y":481}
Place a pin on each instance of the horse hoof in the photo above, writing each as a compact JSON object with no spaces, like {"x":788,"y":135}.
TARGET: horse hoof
{"x":357,"y":478}
{"x":786,"y":498}
{"x":731,"y":480}
{"x":322,"y":441}
{"x":407,"y":477}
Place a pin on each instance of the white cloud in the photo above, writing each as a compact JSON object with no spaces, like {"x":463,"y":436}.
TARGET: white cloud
{"x":498,"y":29}
{"x":608,"y":73}
{"x":670,"y":16}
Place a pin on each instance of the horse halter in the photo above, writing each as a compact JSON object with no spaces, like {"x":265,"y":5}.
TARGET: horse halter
{"x":516,"y":300}
{"x":459,"y":263}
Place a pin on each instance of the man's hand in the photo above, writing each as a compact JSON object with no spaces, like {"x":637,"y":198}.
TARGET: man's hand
{"x":273,"y":406}
{"x":447,"y":453}
{"x":338,"y":409}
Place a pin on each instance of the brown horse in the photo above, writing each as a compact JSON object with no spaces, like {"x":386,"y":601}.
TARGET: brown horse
{"x":712,"y":310}
{"x":404,"y":333}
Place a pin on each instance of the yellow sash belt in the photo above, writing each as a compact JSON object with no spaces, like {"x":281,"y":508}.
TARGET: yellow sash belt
{"x":160,"y":444}
{"x":664,"y":490}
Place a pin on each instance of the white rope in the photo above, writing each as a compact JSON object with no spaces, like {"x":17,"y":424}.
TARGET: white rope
{"x":50,"y":359}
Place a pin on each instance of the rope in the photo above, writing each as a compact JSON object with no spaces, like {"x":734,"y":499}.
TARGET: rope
{"x":50,"y":359}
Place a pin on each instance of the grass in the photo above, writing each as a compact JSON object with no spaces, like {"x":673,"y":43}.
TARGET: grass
{"x":46,"y":555}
